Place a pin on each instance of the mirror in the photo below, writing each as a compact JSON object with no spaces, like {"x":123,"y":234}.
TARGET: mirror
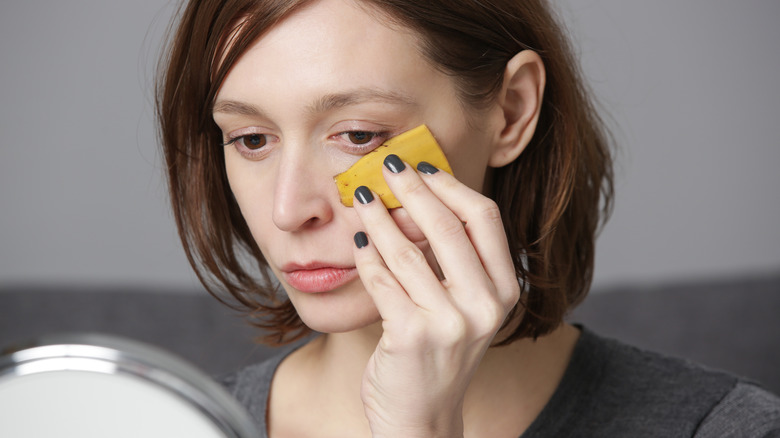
{"x":90,"y":385}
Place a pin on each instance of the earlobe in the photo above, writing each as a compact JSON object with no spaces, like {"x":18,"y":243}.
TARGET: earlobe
{"x":519,"y":102}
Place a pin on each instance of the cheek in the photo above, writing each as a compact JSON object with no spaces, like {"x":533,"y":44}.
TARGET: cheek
{"x":467,"y":149}
{"x":252,"y":188}
{"x":237,"y":180}
{"x":468,"y":155}
{"x":470,"y":168}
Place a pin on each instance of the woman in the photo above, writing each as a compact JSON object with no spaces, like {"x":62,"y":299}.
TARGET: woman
{"x":444,"y":317}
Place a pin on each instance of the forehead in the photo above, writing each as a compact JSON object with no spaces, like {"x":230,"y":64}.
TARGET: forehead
{"x":325,"y":45}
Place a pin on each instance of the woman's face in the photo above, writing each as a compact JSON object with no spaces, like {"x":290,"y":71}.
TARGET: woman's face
{"x":308,"y":99}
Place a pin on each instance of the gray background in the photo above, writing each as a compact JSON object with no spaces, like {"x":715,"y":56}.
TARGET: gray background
{"x":690,"y":88}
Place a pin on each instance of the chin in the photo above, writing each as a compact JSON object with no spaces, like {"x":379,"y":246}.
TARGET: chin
{"x":336,"y":312}
{"x":339,"y":325}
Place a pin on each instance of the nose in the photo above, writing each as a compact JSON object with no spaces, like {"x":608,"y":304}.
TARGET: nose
{"x":303,"y":192}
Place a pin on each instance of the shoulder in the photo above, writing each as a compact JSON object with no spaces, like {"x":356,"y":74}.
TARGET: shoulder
{"x":252,"y":376}
{"x":252,"y":384}
{"x":652,"y":380}
{"x":688,"y":395}
{"x":613,"y":389}
{"x":746,"y":410}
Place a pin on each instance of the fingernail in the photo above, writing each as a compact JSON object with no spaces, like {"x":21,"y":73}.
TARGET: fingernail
{"x":361,"y":240}
{"x":394,"y":163}
{"x":363,"y":194}
{"x":426,"y":168}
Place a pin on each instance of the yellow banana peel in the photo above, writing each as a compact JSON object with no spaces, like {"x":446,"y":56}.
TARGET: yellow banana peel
{"x":412,"y":147}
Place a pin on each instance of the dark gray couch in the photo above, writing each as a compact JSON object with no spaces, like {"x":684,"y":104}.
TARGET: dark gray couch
{"x":729,"y":324}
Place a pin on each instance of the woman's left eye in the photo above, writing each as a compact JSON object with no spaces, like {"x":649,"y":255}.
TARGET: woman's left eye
{"x":360,"y":137}
{"x":364,"y":138}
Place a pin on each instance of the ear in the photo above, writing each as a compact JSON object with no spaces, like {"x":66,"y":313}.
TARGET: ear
{"x":519,"y":103}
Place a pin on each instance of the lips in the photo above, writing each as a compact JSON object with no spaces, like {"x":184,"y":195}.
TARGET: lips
{"x":318,"y":277}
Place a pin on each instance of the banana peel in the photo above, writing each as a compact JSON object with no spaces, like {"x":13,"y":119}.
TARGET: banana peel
{"x":411,"y":146}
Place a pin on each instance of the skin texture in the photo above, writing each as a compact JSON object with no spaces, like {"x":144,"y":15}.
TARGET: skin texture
{"x":408,"y":329}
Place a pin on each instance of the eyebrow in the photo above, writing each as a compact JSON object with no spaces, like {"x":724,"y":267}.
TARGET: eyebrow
{"x":324,"y":103}
{"x":358,"y":96}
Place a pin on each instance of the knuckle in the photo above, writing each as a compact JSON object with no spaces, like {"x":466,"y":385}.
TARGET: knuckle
{"x":379,"y":281}
{"x":449,"y":183}
{"x":409,"y":255}
{"x":491,"y":316}
{"x":495,"y":312}
{"x":450,"y":227}
{"x":452,"y":328}
{"x":414,"y":187}
{"x":513,"y":296}
{"x":489,"y":212}
{"x":486,"y":315}
{"x":510,"y":294}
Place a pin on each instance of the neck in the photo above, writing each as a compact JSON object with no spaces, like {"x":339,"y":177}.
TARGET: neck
{"x":343,"y":356}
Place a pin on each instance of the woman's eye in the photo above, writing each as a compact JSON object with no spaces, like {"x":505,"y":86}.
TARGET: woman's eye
{"x":361,"y":142}
{"x":360,"y":137}
{"x":249,"y":141}
{"x":364,"y":139}
{"x":253,"y":141}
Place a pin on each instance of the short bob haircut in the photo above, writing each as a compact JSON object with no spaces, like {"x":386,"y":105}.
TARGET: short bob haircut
{"x":553,"y":197}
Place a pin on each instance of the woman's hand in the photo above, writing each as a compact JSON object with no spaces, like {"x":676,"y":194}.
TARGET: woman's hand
{"x":437,"y":322}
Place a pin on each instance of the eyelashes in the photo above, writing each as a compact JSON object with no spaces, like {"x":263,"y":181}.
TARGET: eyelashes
{"x":249,"y":141}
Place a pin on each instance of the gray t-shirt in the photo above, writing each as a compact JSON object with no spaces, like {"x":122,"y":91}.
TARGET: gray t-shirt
{"x":610,"y":390}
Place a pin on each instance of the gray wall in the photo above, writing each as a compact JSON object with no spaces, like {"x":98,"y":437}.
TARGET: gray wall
{"x":690,"y":85}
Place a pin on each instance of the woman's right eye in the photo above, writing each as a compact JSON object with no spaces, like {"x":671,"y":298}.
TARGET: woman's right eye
{"x":249,"y":141}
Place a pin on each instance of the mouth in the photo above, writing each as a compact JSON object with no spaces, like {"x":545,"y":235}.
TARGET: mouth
{"x":317,"y":277}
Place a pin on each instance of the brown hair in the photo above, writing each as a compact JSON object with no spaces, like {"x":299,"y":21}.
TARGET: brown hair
{"x":552,"y":198}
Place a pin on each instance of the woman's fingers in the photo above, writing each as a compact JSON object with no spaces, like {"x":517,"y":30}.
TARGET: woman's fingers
{"x":457,"y":258}
{"x":387,"y":294}
{"x":482,"y":223}
{"x":463,"y":228}
{"x":390,"y":253}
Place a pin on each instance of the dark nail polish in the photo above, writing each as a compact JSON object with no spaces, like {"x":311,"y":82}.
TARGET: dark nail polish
{"x":361,"y":240}
{"x":394,"y":163}
{"x":363,"y":195}
{"x":426,"y":168}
